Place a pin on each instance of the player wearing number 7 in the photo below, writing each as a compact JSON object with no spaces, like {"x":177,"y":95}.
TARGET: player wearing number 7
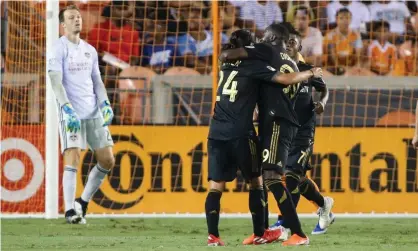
{"x":232,"y":140}
{"x":84,"y":111}
{"x":299,"y":154}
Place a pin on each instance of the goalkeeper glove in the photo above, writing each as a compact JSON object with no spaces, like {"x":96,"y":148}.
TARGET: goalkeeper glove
{"x":73,"y":123}
{"x":107,"y":112}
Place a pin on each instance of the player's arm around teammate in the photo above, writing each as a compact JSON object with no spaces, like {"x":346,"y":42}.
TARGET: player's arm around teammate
{"x":284,"y":79}
{"x":84,"y":111}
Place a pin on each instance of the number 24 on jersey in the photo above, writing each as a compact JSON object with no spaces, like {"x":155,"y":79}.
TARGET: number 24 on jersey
{"x":229,"y":87}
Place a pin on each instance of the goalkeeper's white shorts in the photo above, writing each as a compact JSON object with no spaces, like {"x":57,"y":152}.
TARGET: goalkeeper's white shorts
{"x":92,"y":133}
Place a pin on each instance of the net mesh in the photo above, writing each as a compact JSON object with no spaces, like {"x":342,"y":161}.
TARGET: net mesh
{"x":156,"y":62}
{"x":22,"y":107}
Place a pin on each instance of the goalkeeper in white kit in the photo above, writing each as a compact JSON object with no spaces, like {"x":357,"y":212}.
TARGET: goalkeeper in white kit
{"x":84,"y":111}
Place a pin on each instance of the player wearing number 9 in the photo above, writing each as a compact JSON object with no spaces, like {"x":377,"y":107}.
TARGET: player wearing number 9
{"x":299,"y":154}
{"x":232,"y":140}
{"x":84,"y":111}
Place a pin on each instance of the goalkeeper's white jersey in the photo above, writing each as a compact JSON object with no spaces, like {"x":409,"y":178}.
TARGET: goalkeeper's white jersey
{"x":78,"y":63}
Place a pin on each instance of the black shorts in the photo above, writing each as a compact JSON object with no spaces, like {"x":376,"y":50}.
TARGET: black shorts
{"x":227,"y":157}
{"x":298,"y":159}
{"x":276,"y":140}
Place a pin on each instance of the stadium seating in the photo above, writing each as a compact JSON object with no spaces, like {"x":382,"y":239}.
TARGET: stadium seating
{"x":134,"y":98}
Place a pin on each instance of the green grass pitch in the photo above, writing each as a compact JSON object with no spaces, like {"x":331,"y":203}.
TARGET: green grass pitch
{"x":190,"y":234}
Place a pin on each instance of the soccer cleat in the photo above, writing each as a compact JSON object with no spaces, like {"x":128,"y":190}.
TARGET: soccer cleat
{"x":285,"y":234}
{"x":269,"y":236}
{"x":72,"y":217}
{"x":296,"y":240}
{"x":324,"y":213}
{"x":80,"y":207}
{"x":214,"y":241}
{"x":285,"y":231}
{"x":249,"y":240}
{"x":318,"y":230}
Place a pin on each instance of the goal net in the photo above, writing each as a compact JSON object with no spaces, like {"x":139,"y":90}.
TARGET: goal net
{"x":22,"y":107}
{"x":156,"y":59}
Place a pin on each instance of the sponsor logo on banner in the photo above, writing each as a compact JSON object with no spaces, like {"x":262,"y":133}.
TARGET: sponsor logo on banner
{"x":22,"y":169}
{"x":164,"y":170}
{"x":14,"y":170}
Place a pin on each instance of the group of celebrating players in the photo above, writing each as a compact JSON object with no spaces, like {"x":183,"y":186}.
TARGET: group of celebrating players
{"x":271,"y":80}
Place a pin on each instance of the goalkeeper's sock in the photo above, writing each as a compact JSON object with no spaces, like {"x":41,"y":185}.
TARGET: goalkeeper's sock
{"x":309,"y":191}
{"x":292,"y":185}
{"x":266,"y":208}
{"x":69,"y":184}
{"x":257,"y":205}
{"x":95,"y":179}
{"x":212,"y":208}
{"x":286,"y":206}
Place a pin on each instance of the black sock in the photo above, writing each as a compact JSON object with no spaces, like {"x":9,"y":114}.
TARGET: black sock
{"x":212,"y":207}
{"x":308,"y":190}
{"x":292,"y":182}
{"x":266,"y":208}
{"x":257,"y":205}
{"x":286,"y":206}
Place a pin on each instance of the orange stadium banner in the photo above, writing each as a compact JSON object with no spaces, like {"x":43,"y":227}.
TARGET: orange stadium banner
{"x":160,"y":170}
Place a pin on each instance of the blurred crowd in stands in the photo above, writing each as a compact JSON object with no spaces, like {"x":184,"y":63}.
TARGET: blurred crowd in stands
{"x":344,"y":37}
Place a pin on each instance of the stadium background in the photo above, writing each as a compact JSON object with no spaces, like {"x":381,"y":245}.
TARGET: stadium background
{"x":160,"y":82}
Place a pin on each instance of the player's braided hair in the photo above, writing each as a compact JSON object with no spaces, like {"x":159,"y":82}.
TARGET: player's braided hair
{"x":239,"y":38}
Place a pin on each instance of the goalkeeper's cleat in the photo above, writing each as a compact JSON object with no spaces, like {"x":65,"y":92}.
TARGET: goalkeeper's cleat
{"x":296,"y":240}
{"x":318,"y":230}
{"x":269,"y":236}
{"x":249,"y":240}
{"x":324,"y":213}
{"x":80,"y":207}
{"x":107,"y":112}
{"x":73,"y":123}
{"x":72,"y":217}
{"x":214,"y":241}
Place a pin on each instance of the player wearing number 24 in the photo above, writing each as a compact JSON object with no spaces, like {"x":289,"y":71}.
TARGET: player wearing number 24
{"x":84,"y":112}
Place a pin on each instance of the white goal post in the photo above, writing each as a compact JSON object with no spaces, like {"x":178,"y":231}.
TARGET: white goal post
{"x":51,"y":132}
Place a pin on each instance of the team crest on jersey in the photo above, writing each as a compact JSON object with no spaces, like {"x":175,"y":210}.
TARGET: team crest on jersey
{"x":52,"y":61}
{"x":87,"y":54}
